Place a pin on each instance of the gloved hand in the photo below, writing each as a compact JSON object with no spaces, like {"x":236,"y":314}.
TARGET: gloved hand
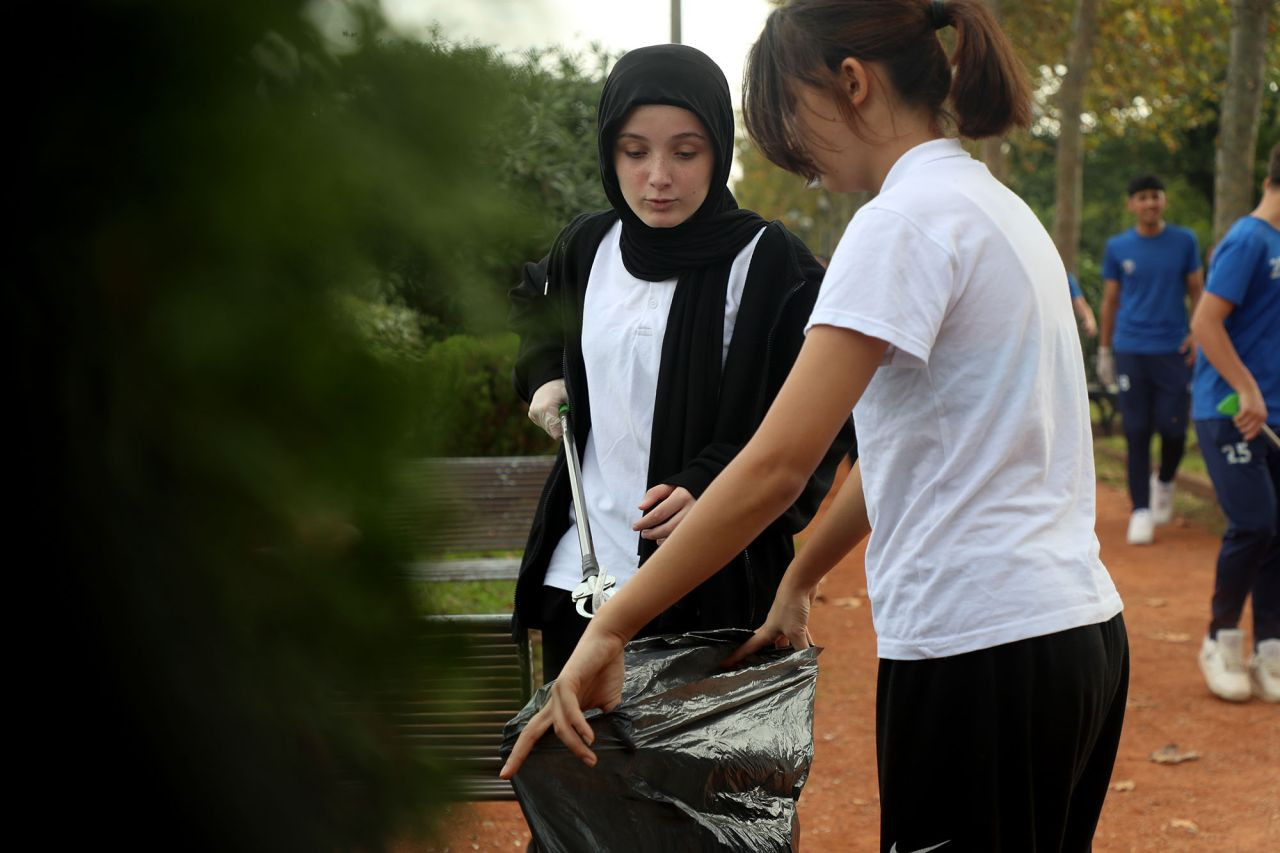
{"x":544,"y":408}
{"x":1105,"y":367}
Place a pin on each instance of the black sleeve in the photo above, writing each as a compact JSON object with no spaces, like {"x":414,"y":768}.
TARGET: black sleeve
{"x":538,"y":313}
{"x":535,"y":317}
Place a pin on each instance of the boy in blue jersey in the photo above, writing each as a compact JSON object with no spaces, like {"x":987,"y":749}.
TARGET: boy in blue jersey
{"x":1237,"y":326}
{"x":1149,"y":272}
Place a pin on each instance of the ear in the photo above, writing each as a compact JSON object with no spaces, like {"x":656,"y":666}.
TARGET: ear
{"x":856,"y":80}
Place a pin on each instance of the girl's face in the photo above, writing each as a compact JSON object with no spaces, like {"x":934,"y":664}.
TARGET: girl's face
{"x":664,"y":161}
{"x":836,"y":151}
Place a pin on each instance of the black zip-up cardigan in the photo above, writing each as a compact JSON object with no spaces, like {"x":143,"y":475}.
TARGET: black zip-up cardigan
{"x":782,"y":284}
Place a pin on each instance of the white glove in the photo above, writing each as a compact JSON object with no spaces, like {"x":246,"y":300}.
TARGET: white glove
{"x":1105,"y":367}
{"x":544,"y":408}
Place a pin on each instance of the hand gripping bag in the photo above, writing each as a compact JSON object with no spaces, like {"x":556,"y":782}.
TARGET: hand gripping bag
{"x":694,"y":758}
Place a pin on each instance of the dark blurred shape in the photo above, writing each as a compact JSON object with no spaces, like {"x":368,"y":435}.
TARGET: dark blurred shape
{"x":440,"y":313}
{"x":209,"y":443}
{"x":534,"y":149}
{"x":695,"y":757}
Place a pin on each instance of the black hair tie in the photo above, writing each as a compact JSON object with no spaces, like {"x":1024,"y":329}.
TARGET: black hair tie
{"x":938,"y":14}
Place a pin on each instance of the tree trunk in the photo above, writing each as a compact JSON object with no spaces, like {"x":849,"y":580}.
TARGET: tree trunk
{"x":992,"y":150}
{"x":1241,"y":107}
{"x":1070,"y":166}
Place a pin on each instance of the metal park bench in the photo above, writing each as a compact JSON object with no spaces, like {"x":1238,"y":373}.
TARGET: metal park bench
{"x":471,"y":507}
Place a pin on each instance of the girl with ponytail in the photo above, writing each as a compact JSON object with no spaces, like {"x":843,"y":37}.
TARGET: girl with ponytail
{"x":942,"y":323}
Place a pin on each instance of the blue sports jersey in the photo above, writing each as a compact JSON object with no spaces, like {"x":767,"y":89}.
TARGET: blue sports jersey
{"x":1152,"y":272}
{"x":1246,"y":273}
{"x":1074,"y":287}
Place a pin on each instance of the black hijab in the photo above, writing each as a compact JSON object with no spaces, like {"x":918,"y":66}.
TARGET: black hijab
{"x":679,"y":76}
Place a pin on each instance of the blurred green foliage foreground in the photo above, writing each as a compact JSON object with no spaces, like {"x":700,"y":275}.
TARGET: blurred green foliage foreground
{"x":209,"y":437}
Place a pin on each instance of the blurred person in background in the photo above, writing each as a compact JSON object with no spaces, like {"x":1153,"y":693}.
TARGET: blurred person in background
{"x":1150,"y":274}
{"x":1237,"y":328}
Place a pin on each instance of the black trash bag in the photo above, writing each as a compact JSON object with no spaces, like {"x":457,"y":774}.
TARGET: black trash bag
{"x":694,"y":758}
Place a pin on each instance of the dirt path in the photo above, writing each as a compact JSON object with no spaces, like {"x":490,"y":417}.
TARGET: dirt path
{"x":1226,"y":800}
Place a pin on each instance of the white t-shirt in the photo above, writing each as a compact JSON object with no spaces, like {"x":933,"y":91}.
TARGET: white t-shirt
{"x":624,"y":322}
{"x":974,"y":432}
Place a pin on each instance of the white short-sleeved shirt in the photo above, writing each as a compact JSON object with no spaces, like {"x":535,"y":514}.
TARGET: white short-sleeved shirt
{"x":624,"y":322}
{"x":974,"y":432}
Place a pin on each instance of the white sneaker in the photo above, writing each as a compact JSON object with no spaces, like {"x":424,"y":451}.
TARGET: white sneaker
{"x":1264,"y":671}
{"x":1222,"y":662}
{"x":1142,"y":530}
{"x":1161,"y":500}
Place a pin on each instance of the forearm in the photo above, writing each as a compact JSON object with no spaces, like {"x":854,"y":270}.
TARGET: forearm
{"x":1110,"y":303}
{"x":760,"y":483}
{"x":841,"y":528}
{"x":732,"y":512}
{"x":1083,"y":311}
{"x":1195,"y":289}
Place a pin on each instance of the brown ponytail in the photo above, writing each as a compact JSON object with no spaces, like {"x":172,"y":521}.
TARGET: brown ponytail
{"x":806,"y":40}
{"x":989,"y":92}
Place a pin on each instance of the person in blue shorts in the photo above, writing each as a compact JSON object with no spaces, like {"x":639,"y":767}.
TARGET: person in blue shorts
{"x":1149,"y":272}
{"x":1081,"y":305}
{"x":1237,"y":326}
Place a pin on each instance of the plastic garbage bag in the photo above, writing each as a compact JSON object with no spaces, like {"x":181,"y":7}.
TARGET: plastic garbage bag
{"x":694,"y":758}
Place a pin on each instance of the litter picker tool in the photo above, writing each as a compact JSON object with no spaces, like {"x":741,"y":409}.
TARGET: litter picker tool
{"x":597,"y":586}
{"x":1230,"y":406}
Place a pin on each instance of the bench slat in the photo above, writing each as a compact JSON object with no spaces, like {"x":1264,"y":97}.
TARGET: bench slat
{"x":471,"y":569}
{"x":460,"y":719}
{"x":465,"y":505}
{"x":470,"y":503}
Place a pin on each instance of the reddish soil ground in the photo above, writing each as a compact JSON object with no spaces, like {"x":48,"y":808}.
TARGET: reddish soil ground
{"x":1228,"y":799}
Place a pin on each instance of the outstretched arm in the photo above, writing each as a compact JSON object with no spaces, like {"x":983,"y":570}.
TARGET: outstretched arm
{"x":842,"y":527}
{"x":767,"y":339}
{"x":1208,"y":326}
{"x":829,"y":376}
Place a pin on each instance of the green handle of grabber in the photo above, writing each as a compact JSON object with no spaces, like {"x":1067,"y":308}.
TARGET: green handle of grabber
{"x":1230,"y":406}
{"x":564,"y":408}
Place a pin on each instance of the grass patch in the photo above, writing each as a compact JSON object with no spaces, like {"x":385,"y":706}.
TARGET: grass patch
{"x":1192,"y":459}
{"x":465,"y":596}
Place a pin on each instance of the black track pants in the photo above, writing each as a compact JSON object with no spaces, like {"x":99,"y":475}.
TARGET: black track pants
{"x":1003,"y":749}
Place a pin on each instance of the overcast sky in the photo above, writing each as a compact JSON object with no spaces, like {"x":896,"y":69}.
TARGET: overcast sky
{"x":723,"y":29}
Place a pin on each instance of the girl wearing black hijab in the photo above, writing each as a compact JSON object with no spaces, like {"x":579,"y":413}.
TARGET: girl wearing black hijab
{"x":668,"y":323}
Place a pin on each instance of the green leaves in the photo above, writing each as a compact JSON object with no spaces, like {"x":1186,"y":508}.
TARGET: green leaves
{"x":219,"y":192}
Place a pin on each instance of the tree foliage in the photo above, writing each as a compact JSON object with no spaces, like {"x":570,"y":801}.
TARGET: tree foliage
{"x":814,"y":214}
{"x":538,"y":147}
{"x":216,"y":444}
{"x":1151,"y":102}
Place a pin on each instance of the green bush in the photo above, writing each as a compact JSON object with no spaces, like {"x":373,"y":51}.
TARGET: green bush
{"x":474,"y":411}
